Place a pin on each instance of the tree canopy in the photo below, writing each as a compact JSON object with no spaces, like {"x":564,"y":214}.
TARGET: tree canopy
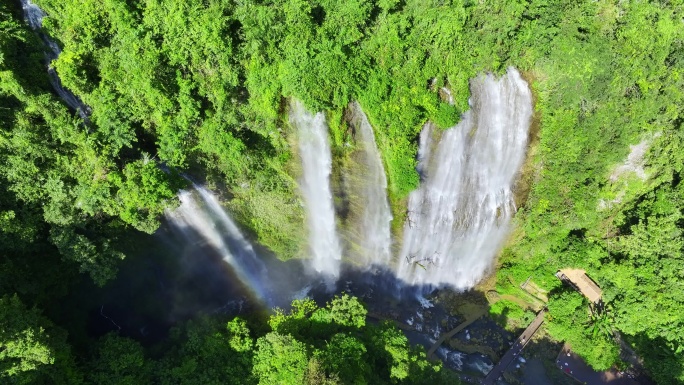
{"x":201,"y":87}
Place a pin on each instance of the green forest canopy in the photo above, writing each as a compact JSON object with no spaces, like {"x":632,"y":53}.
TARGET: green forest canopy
{"x":201,"y":87}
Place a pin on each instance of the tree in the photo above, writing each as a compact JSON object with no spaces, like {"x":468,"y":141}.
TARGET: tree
{"x":206,"y":351}
{"x":119,"y":360}
{"x":568,"y":319}
{"x":144,"y":192}
{"x":347,"y":310}
{"x":345,"y":356}
{"x":280,"y":359}
{"x":32,"y":350}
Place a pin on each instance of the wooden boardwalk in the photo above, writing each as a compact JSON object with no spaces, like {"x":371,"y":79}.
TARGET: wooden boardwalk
{"x":514,"y":351}
{"x":453,"y":332}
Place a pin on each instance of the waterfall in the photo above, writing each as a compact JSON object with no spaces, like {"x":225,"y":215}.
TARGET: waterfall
{"x":34,"y":17}
{"x":424,"y":149}
{"x":314,"y":150}
{"x":370,"y":194}
{"x":33,"y":14}
{"x":458,"y":218}
{"x":200,"y":218}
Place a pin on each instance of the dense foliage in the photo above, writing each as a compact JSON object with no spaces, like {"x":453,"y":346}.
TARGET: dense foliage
{"x":202,"y":86}
{"x":307,"y":345}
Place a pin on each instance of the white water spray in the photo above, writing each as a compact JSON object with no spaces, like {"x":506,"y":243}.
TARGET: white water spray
{"x":314,"y":150}
{"x":373,"y":229}
{"x":200,"y":217}
{"x":424,"y":149}
{"x":458,"y":218}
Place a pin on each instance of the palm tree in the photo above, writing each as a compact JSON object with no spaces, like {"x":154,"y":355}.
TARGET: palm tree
{"x":600,"y":322}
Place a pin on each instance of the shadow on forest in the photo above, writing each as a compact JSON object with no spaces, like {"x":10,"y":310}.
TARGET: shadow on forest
{"x":166,"y":282}
{"x":662,"y":365}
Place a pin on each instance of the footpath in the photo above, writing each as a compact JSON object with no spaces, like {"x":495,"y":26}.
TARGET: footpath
{"x":446,"y":336}
{"x":515,"y":350}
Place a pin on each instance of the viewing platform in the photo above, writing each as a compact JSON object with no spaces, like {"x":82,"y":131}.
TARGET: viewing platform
{"x":579,"y":280}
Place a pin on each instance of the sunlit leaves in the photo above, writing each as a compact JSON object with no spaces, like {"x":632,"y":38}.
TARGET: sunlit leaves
{"x":24,"y":344}
{"x":280,"y":360}
{"x":568,"y":319}
{"x":347,"y":311}
{"x":32,"y":350}
{"x":144,"y":192}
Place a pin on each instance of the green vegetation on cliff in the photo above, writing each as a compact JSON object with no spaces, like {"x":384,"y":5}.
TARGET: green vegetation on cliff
{"x":202,"y":86}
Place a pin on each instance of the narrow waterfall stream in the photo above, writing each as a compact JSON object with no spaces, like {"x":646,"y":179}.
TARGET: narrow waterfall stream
{"x":369,"y":189}
{"x":200,"y":218}
{"x":314,"y":150}
{"x":34,"y":17}
{"x":458,"y":218}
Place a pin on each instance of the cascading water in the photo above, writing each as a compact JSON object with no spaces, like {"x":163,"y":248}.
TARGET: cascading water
{"x":424,"y":149}
{"x":200,"y":218}
{"x":314,"y":150}
{"x":370,"y":194}
{"x":34,"y":17}
{"x":458,"y":218}
{"x":33,"y":14}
